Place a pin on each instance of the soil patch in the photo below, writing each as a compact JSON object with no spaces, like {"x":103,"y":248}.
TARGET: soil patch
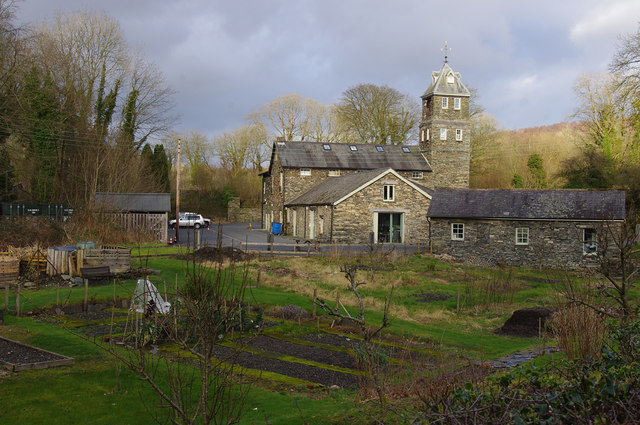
{"x":313,"y":374}
{"x":211,"y":253}
{"x":539,"y":279}
{"x":279,"y":271}
{"x":18,"y":356}
{"x":320,"y":355}
{"x":527,"y":322}
{"x":426,"y":297}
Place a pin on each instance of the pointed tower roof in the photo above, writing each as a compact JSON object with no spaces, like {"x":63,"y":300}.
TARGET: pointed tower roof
{"x":446,"y":82}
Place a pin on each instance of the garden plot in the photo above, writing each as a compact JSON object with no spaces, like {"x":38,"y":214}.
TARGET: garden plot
{"x":17,"y":356}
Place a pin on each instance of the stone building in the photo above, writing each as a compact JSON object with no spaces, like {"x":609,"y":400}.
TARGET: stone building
{"x":378,"y":205}
{"x":298,"y":167}
{"x":445,"y":129}
{"x":555,"y":228}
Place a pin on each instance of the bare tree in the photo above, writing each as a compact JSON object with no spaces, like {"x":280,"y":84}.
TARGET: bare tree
{"x":242,"y":148}
{"x":378,"y":114}
{"x":626,"y":62}
{"x":200,"y":384}
{"x":286,"y":116}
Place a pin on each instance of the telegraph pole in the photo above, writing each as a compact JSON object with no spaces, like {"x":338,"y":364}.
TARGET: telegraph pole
{"x":178,"y":194}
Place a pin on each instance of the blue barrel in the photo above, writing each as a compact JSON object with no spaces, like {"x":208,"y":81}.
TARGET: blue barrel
{"x":276,"y":228}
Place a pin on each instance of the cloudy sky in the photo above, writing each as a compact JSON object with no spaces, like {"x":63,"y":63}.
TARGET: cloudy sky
{"x":226,"y":58}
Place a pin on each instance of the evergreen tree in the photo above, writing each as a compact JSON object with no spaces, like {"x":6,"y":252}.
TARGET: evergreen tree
{"x":161,"y":167}
{"x":43,"y":119}
{"x":536,"y":168}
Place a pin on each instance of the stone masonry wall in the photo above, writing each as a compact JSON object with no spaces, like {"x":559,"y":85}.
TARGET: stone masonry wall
{"x":449,"y":158}
{"x":552,"y":244}
{"x":353,"y":218}
{"x":237,"y":214}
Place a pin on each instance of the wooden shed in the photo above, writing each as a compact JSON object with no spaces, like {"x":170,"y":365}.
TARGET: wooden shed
{"x":138,"y":211}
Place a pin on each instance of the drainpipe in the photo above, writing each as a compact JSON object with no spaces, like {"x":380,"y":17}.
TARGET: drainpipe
{"x":331,"y":226}
{"x":430,"y":244}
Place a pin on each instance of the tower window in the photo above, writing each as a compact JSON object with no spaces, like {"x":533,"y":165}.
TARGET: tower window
{"x":422,"y":135}
{"x":450,"y":79}
{"x":326,"y":147}
{"x":353,"y":147}
{"x":305,"y":171}
{"x":456,"y":103}
{"x":379,"y":148}
{"x":443,"y":134}
{"x":428,"y":134}
{"x":416,"y":174}
{"x":445,"y":103}
{"x":458,"y":134}
{"x":406,"y":149}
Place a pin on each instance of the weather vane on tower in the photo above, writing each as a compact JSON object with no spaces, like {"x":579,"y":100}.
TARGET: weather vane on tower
{"x":445,"y":49}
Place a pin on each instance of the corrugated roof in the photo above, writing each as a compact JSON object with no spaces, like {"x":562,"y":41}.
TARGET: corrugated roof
{"x":343,"y":156}
{"x":135,"y":202}
{"x":440,"y":84}
{"x":528,"y":204}
{"x":334,"y":189}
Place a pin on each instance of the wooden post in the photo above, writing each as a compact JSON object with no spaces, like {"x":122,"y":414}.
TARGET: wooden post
{"x":85,"y":301}
{"x":258,"y":279}
{"x":57,"y":293}
{"x":315,"y":298}
{"x":175,"y":318}
{"x":18,"y":299}
{"x":6,"y":296}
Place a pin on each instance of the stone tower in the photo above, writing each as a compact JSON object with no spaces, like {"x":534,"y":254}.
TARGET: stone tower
{"x":445,"y":128}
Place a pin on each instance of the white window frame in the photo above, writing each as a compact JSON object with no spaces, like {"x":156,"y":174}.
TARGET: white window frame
{"x":305,"y":171}
{"x":522,"y":236}
{"x":456,"y":103}
{"x":333,"y":173}
{"x":445,"y":103}
{"x":428,"y":134}
{"x":458,"y":135}
{"x":457,"y":231}
{"x":388,"y":193}
{"x":443,"y":134}
{"x":281,"y":181}
{"x":422,"y":134}
{"x":416,"y":175}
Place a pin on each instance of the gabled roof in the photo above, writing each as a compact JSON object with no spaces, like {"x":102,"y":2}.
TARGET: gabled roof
{"x":528,"y":204}
{"x":334,"y":190}
{"x":446,"y":82}
{"x":343,"y":156}
{"x":134,"y":202}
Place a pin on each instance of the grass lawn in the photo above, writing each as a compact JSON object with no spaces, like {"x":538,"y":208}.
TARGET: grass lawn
{"x":463,"y":307}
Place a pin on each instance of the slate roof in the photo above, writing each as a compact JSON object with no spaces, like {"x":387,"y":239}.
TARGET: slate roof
{"x":341,"y":156}
{"x":440,"y":86}
{"x":334,"y":189}
{"x":528,"y":204}
{"x":135,"y":202}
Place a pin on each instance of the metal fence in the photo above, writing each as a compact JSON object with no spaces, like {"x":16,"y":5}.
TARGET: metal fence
{"x":53,"y":211}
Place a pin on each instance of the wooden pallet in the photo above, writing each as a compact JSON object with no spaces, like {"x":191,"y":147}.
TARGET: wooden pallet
{"x":9,"y":268}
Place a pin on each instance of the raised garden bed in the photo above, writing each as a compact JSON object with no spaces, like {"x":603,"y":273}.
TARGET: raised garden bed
{"x":17,"y":356}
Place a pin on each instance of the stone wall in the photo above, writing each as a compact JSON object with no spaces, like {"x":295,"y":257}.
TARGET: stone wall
{"x":552,"y":244}
{"x":238,"y":214}
{"x":353,"y":219}
{"x":449,"y":158}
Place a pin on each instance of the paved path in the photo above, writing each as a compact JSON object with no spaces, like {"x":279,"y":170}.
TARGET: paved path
{"x":254,"y":238}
